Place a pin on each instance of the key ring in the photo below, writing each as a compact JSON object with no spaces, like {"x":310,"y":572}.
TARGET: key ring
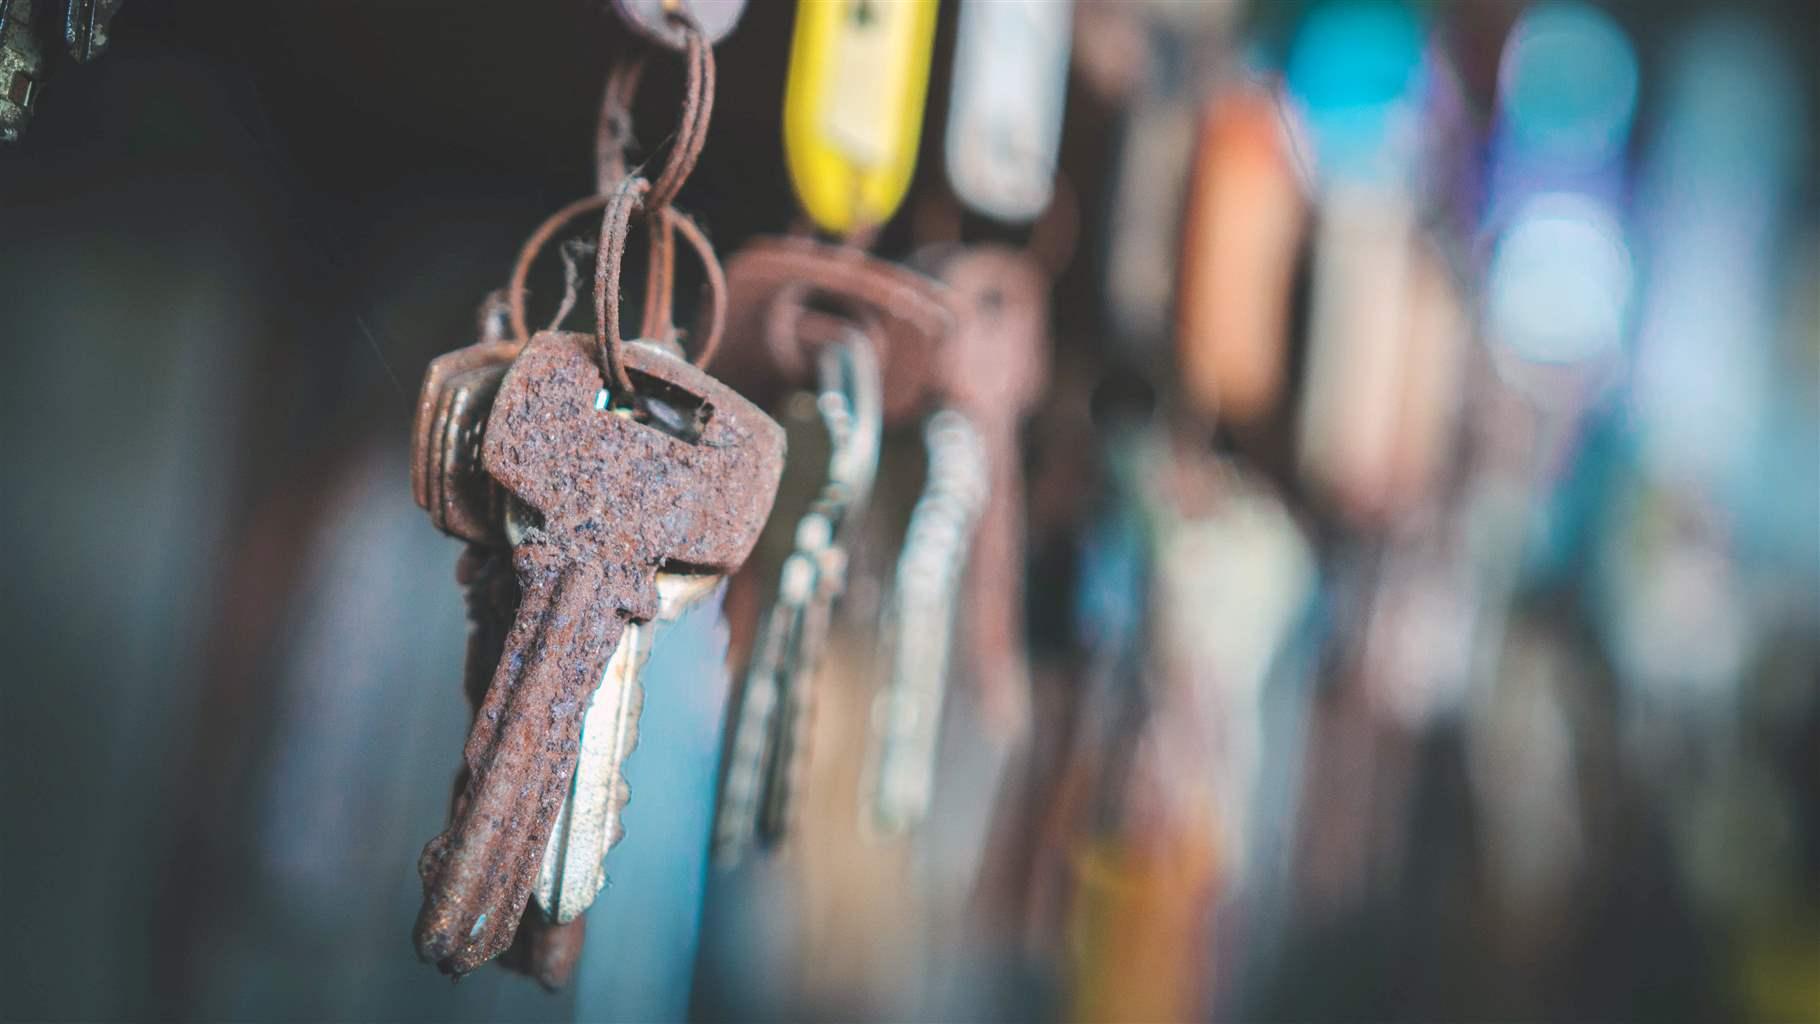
{"x":613,"y":135}
{"x":607,"y":269}
{"x":631,"y":195}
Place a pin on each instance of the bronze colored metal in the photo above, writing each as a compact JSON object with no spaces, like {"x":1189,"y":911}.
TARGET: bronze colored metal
{"x":994,"y":370}
{"x":446,"y":476}
{"x":794,"y":292}
{"x":546,"y":951}
{"x":615,"y":499}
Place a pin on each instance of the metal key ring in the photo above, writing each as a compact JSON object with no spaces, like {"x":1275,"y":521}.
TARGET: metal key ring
{"x":715,"y":277}
{"x":527,"y":255}
{"x":613,"y":132}
{"x":615,"y":224}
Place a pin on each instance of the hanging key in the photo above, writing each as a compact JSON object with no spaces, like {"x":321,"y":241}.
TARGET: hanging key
{"x":768,"y":756}
{"x":458,"y":394}
{"x":448,"y":481}
{"x":608,"y":498}
{"x":789,"y":300}
{"x":925,"y":592}
{"x":995,"y":369}
{"x":573,"y":869}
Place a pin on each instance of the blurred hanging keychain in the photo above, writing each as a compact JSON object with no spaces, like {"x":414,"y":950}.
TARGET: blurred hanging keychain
{"x":1004,"y":125}
{"x":852,"y":121}
{"x":1385,"y":332}
{"x":853,"y":107}
{"x":1241,"y":233}
{"x":1181,"y":45}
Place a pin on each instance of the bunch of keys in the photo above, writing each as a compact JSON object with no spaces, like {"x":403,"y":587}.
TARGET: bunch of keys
{"x":600,"y":501}
{"x":767,"y":757}
{"x":597,"y":502}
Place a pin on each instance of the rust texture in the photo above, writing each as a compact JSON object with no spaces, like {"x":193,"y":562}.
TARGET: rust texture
{"x":993,"y":372}
{"x":788,"y":291}
{"x":617,"y":498}
{"x":545,"y":950}
{"x":452,"y":406}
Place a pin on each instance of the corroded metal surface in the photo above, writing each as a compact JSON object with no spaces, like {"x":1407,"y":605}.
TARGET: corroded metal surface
{"x":781,"y":289}
{"x":447,"y":479}
{"x":617,"y":499}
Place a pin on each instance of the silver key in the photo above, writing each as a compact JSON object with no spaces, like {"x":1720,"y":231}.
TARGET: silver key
{"x":588,"y":826}
{"x":770,"y":749}
{"x":925,"y":592}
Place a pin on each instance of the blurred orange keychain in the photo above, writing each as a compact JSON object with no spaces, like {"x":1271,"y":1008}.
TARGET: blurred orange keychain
{"x":1245,"y":221}
{"x":1141,"y":924}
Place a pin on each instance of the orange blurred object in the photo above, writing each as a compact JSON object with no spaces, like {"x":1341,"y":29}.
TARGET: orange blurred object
{"x":1245,"y":220}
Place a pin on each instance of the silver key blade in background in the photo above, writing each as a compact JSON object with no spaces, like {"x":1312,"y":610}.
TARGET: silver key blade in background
{"x":924,"y":594}
{"x":769,"y":742}
{"x":589,"y":824}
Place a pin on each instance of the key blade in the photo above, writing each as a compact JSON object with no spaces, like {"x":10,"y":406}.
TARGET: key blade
{"x":573,"y":870}
{"x":589,"y":825}
{"x":924,"y":593}
{"x":769,"y":754}
{"x":749,"y":757}
{"x":789,"y":762}
{"x":479,"y":873}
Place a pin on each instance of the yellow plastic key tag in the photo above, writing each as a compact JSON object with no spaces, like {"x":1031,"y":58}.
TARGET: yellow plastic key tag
{"x":853,"y":106}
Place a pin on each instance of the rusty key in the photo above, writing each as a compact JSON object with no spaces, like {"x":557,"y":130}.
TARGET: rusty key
{"x":611,"y":499}
{"x":447,"y":480}
{"x":995,"y":368}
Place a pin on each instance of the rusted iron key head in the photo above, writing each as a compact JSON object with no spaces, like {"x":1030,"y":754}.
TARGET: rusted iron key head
{"x":611,"y":498}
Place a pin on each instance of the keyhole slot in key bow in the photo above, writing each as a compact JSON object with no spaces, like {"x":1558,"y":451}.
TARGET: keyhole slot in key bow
{"x":660,"y":405}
